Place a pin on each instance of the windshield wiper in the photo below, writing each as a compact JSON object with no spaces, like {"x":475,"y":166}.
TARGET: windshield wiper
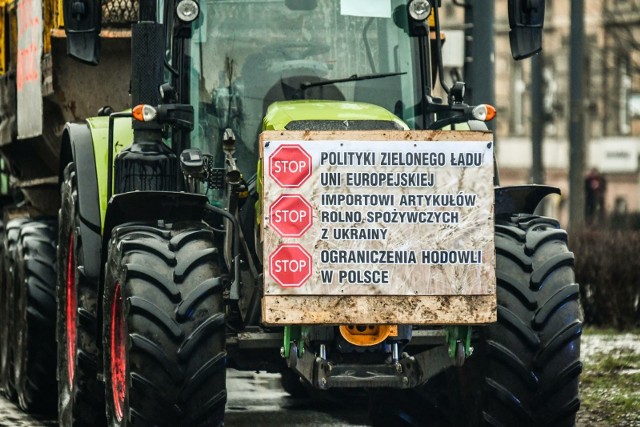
{"x":353,"y":78}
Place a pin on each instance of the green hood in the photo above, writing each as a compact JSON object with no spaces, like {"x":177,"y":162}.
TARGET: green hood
{"x":280,"y":114}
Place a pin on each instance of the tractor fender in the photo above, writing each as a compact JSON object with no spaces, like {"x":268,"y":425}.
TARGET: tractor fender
{"x":86,"y":144}
{"x":77,"y":147}
{"x":145,"y":206}
{"x":150,"y":206}
{"x":521,"y":198}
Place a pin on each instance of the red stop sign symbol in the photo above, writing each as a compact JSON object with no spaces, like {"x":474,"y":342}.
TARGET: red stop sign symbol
{"x":290,"y":215}
{"x":290,"y":166}
{"x":290,"y":265}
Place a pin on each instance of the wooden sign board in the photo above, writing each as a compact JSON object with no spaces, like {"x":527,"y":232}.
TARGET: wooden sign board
{"x":378,"y":227}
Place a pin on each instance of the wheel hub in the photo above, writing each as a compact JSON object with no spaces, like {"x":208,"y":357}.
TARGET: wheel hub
{"x":71,"y":310}
{"x":118,"y":354}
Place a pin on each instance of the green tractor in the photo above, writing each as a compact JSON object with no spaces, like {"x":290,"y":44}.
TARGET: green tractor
{"x":183,"y":248}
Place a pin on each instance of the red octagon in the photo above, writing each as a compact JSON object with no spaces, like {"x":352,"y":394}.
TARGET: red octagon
{"x":290,"y":166}
{"x":290,"y":215}
{"x":290,"y":265}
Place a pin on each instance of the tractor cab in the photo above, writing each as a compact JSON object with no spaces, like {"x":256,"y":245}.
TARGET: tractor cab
{"x":248,"y":56}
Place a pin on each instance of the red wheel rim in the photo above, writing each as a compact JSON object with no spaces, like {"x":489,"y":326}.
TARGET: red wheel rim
{"x":71,"y":312}
{"x":118,"y":354}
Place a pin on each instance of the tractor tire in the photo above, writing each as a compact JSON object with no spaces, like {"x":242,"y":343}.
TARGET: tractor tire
{"x":525,"y":368}
{"x":531,"y":356}
{"x":164,"y":327}
{"x":4,"y":313}
{"x":80,"y":395}
{"x":7,"y":291}
{"x":34,"y":345}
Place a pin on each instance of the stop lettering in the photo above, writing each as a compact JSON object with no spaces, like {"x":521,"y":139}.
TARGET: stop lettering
{"x":290,"y":215}
{"x":290,"y":166}
{"x":290,"y":265}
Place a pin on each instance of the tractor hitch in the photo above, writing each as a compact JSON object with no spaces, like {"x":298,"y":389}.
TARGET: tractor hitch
{"x":407,"y":372}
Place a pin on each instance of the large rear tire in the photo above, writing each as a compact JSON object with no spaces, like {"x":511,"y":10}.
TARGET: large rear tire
{"x":532,"y":354}
{"x":34,"y":317}
{"x":164,"y":327}
{"x":9,"y":244}
{"x":81,"y":396}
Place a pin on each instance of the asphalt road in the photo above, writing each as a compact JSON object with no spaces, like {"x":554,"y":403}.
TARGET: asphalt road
{"x":257,"y":400}
{"x":253,"y":400}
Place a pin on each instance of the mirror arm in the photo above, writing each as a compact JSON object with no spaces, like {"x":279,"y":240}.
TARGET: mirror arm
{"x":436,"y":16}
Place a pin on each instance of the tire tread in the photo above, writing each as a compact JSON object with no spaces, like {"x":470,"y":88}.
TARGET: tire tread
{"x":176,"y":327}
{"x":538,"y":304}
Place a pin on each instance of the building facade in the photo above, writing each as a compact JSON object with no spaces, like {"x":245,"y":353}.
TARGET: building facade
{"x":611,"y":105}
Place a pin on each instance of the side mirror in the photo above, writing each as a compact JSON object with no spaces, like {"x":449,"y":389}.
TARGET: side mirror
{"x":526,"y":19}
{"x":82,"y":19}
